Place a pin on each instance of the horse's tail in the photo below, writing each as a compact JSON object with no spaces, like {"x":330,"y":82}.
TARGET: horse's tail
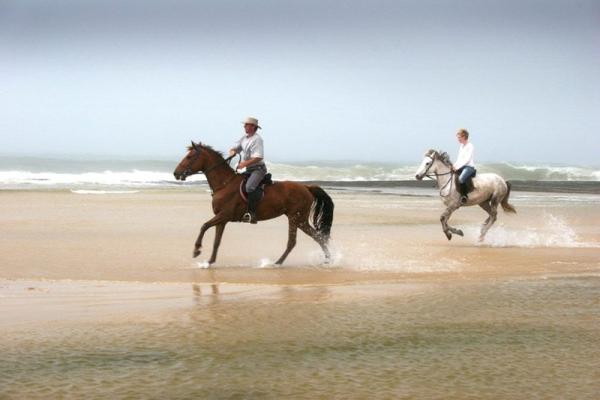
{"x":505,"y":205}
{"x":322,"y":212}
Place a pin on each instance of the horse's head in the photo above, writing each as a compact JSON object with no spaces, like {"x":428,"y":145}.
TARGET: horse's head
{"x":193,"y":162}
{"x":432,"y":162}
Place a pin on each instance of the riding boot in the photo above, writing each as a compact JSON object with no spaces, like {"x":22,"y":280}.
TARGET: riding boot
{"x":253,"y":198}
{"x":464,"y":192}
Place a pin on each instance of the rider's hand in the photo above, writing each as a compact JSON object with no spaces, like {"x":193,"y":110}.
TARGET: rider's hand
{"x":232,"y":153}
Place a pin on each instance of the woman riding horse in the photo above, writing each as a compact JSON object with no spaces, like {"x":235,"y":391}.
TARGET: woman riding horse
{"x":490,"y":191}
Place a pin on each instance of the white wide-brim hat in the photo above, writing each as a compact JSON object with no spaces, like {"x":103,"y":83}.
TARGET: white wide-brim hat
{"x":252,"y":121}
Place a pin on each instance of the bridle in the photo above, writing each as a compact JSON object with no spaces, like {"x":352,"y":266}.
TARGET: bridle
{"x":430,"y":176}
{"x":188,"y":171}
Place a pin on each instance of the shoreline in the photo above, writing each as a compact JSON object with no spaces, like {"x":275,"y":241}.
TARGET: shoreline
{"x":572,"y":187}
{"x":576,"y":187}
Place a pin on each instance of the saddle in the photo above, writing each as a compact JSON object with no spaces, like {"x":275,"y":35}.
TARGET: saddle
{"x":468,"y":186}
{"x":266,"y":181}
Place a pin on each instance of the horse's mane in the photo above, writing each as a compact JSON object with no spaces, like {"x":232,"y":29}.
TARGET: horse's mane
{"x":440,"y":155}
{"x":207,"y":148}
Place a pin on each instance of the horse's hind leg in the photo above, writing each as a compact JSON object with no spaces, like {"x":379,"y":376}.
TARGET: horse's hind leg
{"x":448,"y":230}
{"x":217,"y":242}
{"x":292,"y":231}
{"x":317,"y":237}
{"x":491,"y":207}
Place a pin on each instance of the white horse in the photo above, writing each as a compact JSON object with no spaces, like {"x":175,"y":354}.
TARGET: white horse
{"x":489,"y":190}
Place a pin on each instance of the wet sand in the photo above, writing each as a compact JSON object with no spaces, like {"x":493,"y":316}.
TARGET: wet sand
{"x":149,"y":236}
{"x":99,"y":296}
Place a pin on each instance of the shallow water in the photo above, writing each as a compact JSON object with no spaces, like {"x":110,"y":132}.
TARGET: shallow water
{"x":511,"y":338}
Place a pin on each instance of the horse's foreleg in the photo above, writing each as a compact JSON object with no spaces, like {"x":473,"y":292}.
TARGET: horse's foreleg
{"x":492,"y":210}
{"x":317,"y":237}
{"x":207,"y":225}
{"x":292,"y":231}
{"x":448,"y":230}
{"x":218,"y":235}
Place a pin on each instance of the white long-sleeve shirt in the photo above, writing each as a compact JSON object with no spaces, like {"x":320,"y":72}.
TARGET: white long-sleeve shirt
{"x":465,"y":156}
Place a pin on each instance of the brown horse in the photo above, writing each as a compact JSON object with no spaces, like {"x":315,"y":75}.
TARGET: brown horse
{"x":293,"y":199}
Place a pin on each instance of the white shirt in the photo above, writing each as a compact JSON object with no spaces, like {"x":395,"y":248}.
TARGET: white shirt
{"x":465,"y":156}
{"x":251,"y":147}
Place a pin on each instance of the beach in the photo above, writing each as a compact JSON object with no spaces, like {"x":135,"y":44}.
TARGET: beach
{"x":100,"y":295}
{"x":118,"y":118}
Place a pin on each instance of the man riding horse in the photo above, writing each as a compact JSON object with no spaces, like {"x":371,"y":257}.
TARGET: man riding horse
{"x":251,"y":148}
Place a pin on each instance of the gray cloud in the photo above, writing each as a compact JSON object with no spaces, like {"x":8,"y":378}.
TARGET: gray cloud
{"x":383,"y":79}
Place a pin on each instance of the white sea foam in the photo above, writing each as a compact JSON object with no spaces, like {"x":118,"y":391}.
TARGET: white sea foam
{"x":343,"y":172}
{"x":543,"y":172}
{"x":105,"y":178}
{"x":48,"y":173}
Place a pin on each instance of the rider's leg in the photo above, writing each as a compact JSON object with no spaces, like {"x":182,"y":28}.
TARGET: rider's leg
{"x":254,"y":193}
{"x":465,"y":174}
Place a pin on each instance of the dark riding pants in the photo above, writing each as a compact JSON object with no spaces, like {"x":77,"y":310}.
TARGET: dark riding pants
{"x":256,"y":175}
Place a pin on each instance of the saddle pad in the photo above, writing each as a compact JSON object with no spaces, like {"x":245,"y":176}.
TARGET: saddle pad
{"x":265,"y":182}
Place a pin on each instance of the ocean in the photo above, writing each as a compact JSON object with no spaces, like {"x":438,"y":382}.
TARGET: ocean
{"x":108,"y":175}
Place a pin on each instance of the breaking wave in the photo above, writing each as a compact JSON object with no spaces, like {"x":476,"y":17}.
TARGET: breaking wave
{"x":32,"y":173}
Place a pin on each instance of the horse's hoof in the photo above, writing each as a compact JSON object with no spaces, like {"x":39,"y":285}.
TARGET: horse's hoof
{"x":448,"y":235}
{"x":459,"y":232}
{"x":196,"y":253}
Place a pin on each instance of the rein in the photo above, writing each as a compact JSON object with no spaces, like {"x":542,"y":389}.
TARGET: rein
{"x":188,"y":171}
{"x":225,"y":161}
{"x":450,"y":181}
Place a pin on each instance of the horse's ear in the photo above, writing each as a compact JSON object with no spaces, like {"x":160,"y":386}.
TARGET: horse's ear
{"x":194,"y":146}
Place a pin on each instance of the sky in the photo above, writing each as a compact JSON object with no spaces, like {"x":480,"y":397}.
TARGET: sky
{"x":329,"y":80}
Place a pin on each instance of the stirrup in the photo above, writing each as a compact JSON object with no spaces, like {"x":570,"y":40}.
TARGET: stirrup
{"x":463,"y":199}
{"x":249,"y":218}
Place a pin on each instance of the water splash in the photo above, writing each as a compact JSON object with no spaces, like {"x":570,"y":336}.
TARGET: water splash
{"x":364,"y":257}
{"x":266,"y":263}
{"x":555,"y":232}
